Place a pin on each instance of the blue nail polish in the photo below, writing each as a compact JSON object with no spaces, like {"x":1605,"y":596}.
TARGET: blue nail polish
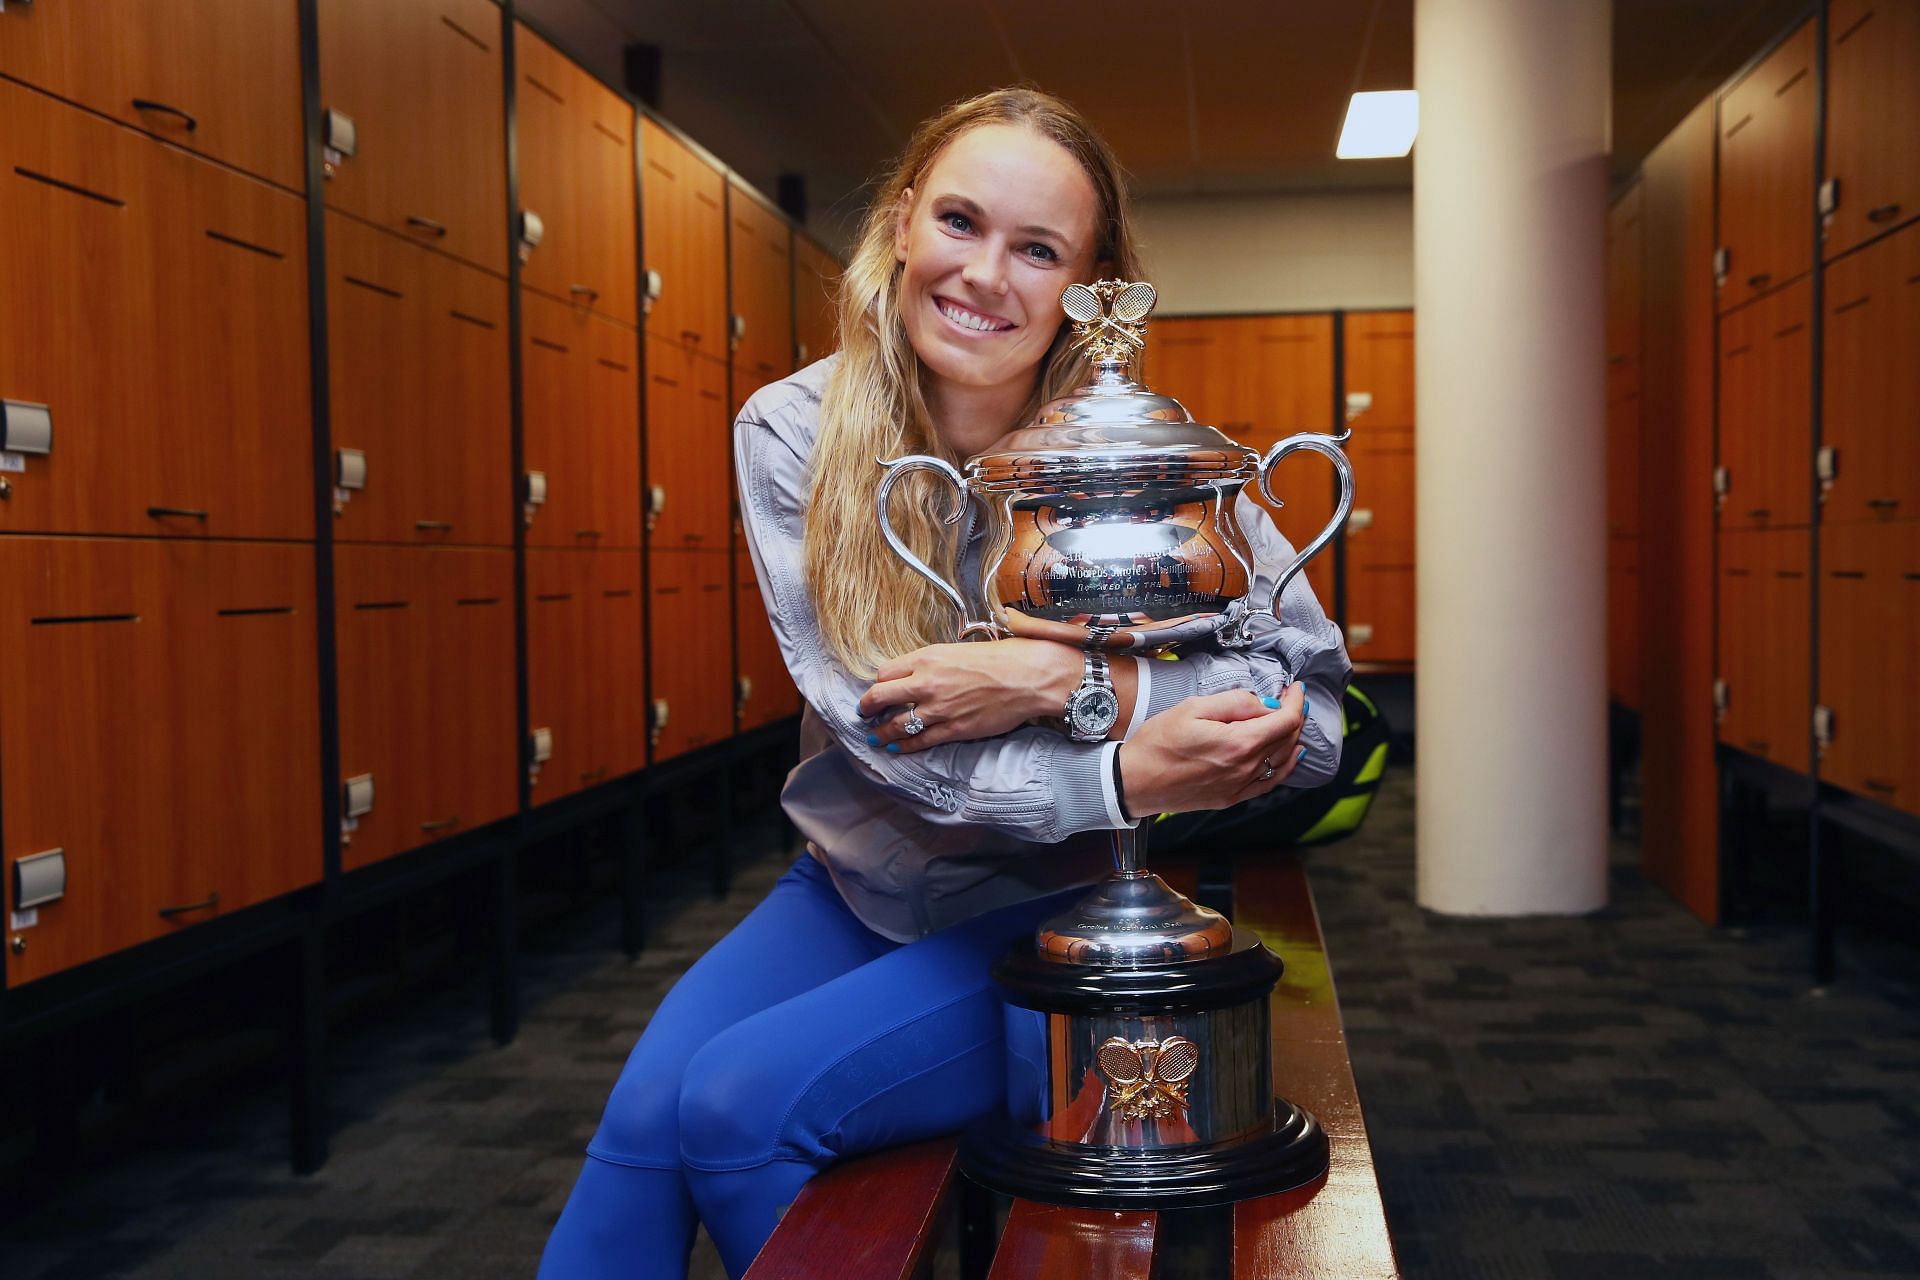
{"x":873,"y":739}
{"x":1273,"y":704}
{"x":894,"y":747}
{"x":1301,"y":752}
{"x":1306,"y":706}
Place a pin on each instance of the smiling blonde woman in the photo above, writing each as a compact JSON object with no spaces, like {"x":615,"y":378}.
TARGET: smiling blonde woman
{"x":851,"y":1009}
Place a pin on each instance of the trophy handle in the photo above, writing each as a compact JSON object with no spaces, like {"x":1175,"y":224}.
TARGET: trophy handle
{"x":1329,"y":447}
{"x":898,"y":468}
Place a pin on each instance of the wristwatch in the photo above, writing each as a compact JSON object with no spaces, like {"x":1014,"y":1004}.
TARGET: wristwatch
{"x":1093,"y":707}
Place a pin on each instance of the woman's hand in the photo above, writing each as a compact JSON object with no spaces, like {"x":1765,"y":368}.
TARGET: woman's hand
{"x":1212,"y":752}
{"x":967,"y":691}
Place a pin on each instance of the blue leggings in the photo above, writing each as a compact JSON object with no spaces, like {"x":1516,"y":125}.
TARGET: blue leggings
{"x":801,"y":1037}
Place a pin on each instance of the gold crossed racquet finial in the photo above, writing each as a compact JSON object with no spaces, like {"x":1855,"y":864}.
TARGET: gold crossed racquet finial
{"x":1147,"y":1077}
{"x":1109,"y":317}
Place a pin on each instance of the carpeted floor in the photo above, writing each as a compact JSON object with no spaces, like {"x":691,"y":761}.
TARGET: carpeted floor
{"x":1626,"y":1095}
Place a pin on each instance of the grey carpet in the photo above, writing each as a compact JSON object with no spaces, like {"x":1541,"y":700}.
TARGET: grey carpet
{"x":1625,"y":1095}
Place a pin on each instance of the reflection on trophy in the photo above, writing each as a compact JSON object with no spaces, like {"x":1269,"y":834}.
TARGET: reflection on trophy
{"x":1110,"y":525}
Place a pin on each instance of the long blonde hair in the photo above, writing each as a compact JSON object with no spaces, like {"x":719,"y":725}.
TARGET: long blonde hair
{"x":871,"y":606}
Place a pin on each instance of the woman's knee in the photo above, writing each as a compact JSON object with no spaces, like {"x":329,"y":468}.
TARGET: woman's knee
{"x":734,"y":1105}
{"x":641,"y":1123}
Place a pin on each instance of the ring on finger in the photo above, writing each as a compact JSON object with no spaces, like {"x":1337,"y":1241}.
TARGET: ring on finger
{"x":1266,"y":768}
{"x":913,"y":724}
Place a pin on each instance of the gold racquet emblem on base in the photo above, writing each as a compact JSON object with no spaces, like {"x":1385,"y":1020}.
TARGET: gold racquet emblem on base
{"x":1147,"y":1078}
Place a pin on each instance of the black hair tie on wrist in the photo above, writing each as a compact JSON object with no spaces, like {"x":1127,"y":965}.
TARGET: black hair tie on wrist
{"x":1120,"y":787}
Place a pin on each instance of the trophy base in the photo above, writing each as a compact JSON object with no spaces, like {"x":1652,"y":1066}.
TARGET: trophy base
{"x":1005,"y":1157}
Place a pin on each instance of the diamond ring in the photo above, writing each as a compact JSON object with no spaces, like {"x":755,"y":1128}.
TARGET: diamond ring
{"x":913,"y":723}
{"x":1266,"y":770}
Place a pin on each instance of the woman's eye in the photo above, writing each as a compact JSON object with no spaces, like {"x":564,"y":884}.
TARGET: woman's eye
{"x":957,"y":222}
{"x":1042,"y":253}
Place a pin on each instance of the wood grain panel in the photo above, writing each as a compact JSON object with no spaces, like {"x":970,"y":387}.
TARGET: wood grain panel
{"x":1379,"y":359}
{"x":763,"y":689}
{"x":1766,"y":410}
{"x":1766,"y":170}
{"x":1624,"y":629}
{"x":219,"y":77}
{"x":422,"y":82}
{"x":1873,"y":83}
{"x":684,"y":229}
{"x":1679,"y":779}
{"x":816,"y":280}
{"x":585,"y":672}
{"x":1625,"y":250}
{"x":1869,"y":636}
{"x":689,"y":650}
{"x":163,"y":731}
{"x":418,"y":355}
{"x":1765,"y":615}
{"x":876,"y":1217}
{"x":760,"y":254}
{"x":689,"y":449}
{"x":157,"y":305}
{"x":581,"y":423}
{"x":576,"y":171}
{"x":619,"y":657}
{"x":425,"y":644}
{"x":1870,"y":390}
{"x":1059,"y":1240}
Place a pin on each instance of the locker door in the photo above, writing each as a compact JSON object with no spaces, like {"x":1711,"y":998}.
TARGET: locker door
{"x":1380,"y":545}
{"x":1766,"y":168}
{"x":561,"y":698}
{"x":472,"y":748}
{"x":816,"y":279}
{"x":1181,"y":356}
{"x":763,"y":690}
{"x":1784,"y":415}
{"x":382,"y":635}
{"x":1871,"y":388}
{"x":1379,"y":356}
{"x":688,"y":449}
{"x":1765,"y":638}
{"x":158,"y":308}
{"x":576,"y":172}
{"x":683,"y":202}
{"x":220,"y":77}
{"x":1279,"y":382}
{"x":1623,"y":621}
{"x":1742,"y":355}
{"x":421,"y":80}
{"x":582,"y":425}
{"x":689,"y":650}
{"x":760,"y":251}
{"x":1741,"y":609}
{"x":1873,"y":83}
{"x":619,"y":664}
{"x":1624,"y":251}
{"x":1869,"y":634}
{"x":419,"y":361}
{"x":163,"y":734}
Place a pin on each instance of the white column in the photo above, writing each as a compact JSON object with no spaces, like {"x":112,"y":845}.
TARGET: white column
{"x":1509,"y":215}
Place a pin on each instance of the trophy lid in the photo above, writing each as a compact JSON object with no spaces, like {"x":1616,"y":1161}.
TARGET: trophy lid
{"x":1113,"y":424}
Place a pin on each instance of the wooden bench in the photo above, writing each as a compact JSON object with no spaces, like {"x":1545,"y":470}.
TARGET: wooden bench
{"x":881,"y":1217}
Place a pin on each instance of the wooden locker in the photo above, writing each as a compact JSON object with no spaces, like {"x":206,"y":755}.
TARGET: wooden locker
{"x":1272,"y":376}
{"x":1766,"y":171}
{"x":689,"y":449}
{"x":1623,"y":621}
{"x":425,"y":651}
{"x":422,"y":82}
{"x":763,"y":690}
{"x":816,"y":284}
{"x":1871,"y":384}
{"x":620,"y":664}
{"x":760,"y":257}
{"x":689,"y":651}
{"x":1766,"y":417}
{"x":560,"y":670}
{"x":576,"y":172}
{"x":1179,"y":350}
{"x":220,"y":77}
{"x":1624,"y":250}
{"x":1379,"y":363}
{"x":163,"y":731}
{"x":157,"y":307}
{"x":1873,"y":83}
{"x":1380,"y":545}
{"x":684,"y":233}
{"x":418,"y":357}
{"x":1869,"y":679}
{"x":581,"y":423}
{"x":1765,"y":643}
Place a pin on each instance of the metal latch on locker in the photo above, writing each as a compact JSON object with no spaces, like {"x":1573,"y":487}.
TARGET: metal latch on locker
{"x":39,"y":878}
{"x":339,"y":139}
{"x":535,"y":495}
{"x":533,"y":229}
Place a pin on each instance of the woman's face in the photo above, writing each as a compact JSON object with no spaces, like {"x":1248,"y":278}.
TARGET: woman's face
{"x":999,"y":225}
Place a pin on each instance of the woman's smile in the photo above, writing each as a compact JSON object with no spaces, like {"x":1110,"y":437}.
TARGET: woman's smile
{"x":969,"y":320}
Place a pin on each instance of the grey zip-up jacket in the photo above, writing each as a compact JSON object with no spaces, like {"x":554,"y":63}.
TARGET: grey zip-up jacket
{"x":922,"y":840}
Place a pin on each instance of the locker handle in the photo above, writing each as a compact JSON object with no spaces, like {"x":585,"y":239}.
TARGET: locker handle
{"x":1759,"y":513}
{"x":212,"y":900}
{"x":690,"y":335}
{"x":428,"y":225}
{"x":433,"y":525}
{"x":191,"y":513}
{"x":148,"y":104}
{"x":1877,"y":784}
{"x":1883,"y":504}
{"x":593,"y":775}
{"x":1884,"y":213}
{"x":586,"y":533}
{"x":441,"y":825}
{"x":1758,"y":279}
{"x":581,"y":290}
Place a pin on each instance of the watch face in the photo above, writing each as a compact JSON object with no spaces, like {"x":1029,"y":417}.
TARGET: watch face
{"x":1093,"y":710}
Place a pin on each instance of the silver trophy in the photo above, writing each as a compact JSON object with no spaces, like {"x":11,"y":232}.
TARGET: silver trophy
{"x":1110,"y":525}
